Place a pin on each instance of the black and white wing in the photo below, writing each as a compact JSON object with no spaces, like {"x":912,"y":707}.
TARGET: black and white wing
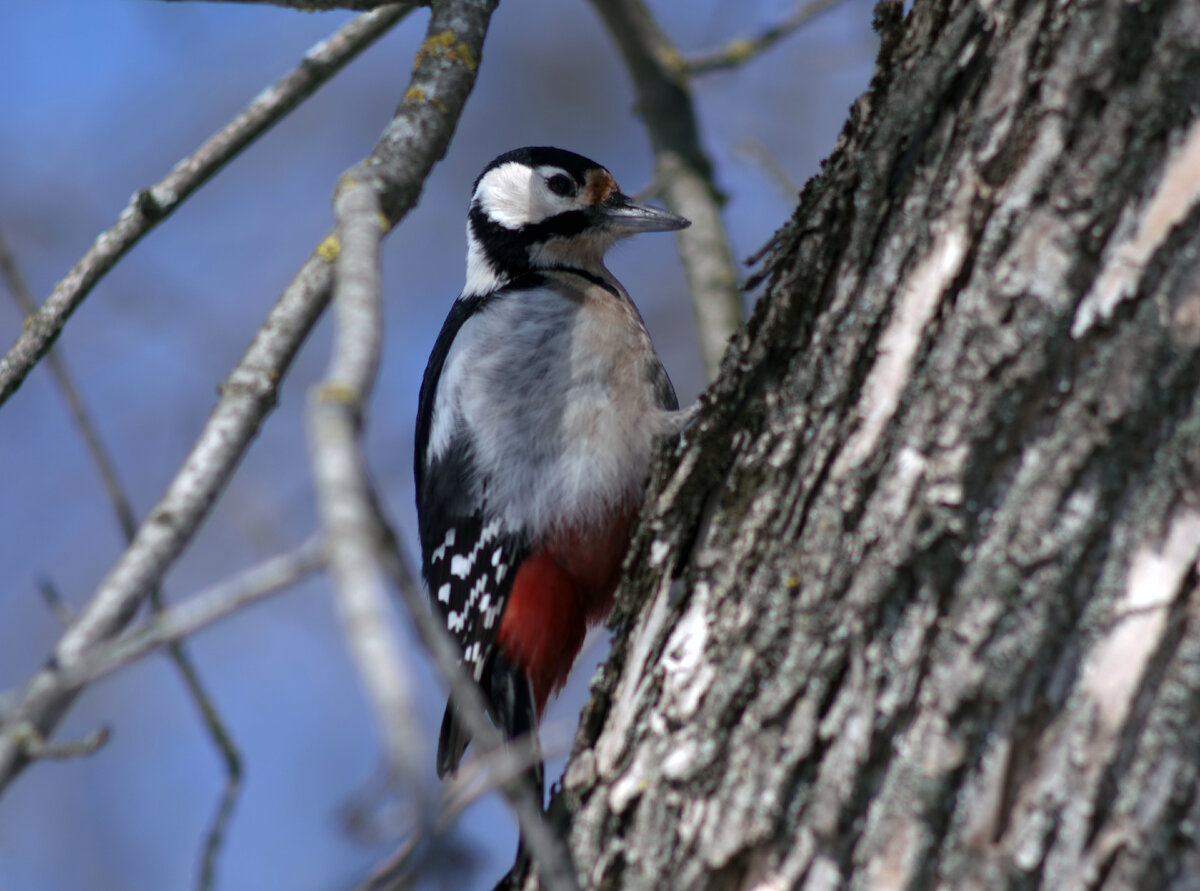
{"x":468,"y":561}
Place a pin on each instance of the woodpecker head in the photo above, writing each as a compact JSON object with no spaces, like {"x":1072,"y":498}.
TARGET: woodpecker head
{"x":540,"y":207}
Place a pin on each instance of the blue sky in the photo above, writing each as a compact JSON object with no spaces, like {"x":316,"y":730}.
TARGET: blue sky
{"x":102,"y":97}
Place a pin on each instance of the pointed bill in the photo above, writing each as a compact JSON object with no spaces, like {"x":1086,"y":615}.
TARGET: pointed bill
{"x":621,"y":213}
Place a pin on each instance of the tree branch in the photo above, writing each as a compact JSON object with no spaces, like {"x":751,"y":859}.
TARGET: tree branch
{"x":39,"y":748}
{"x":214,"y":726}
{"x":356,"y":530}
{"x":54,"y":602}
{"x":344,"y":495}
{"x":150,"y":206}
{"x":739,"y":52}
{"x":199,"y":611}
{"x":482,"y":774}
{"x":417,"y":136}
{"x":80,"y":415}
{"x":359,"y":537}
{"x":248,"y":394}
{"x":318,"y":5}
{"x":684,"y":171}
{"x":756,"y":153}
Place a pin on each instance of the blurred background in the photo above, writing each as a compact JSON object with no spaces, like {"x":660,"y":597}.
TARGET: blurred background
{"x":101,"y":98}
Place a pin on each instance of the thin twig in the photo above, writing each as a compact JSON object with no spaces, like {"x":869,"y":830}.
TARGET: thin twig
{"x":150,"y":206}
{"x":315,"y":5}
{"x":198,"y":611}
{"x":683,"y":171}
{"x":213,"y":724}
{"x":476,"y":777}
{"x":248,"y":395}
{"x":555,"y":868}
{"x":417,"y":136}
{"x":214,"y":835}
{"x":222,"y":740}
{"x":484,"y":773}
{"x":757,"y":153}
{"x":54,"y":601}
{"x":443,"y":864}
{"x":80,"y":415}
{"x":739,"y":52}
{"x":39,"y":747}
{"x":169,"y":627}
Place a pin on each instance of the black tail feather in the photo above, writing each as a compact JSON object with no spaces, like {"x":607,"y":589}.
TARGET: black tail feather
{"x":509,"y":697}
{"x":452,"y":741}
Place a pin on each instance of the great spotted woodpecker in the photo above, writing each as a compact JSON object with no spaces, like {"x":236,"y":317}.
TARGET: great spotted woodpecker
{"x":539,"y":410}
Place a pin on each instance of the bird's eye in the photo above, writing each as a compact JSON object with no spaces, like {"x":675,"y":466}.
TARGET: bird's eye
{"x":561,"y":184}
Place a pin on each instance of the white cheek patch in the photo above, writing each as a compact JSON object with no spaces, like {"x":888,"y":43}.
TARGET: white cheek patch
{"x":482,"y":276}
{"x":503,"y":194}
{"x":514,"y":195}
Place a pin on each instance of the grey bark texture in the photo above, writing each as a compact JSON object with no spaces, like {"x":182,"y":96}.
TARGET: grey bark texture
{"x":916,"y":603}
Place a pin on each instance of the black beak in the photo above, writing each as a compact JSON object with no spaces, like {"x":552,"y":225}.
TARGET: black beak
{"x":623,"y":215}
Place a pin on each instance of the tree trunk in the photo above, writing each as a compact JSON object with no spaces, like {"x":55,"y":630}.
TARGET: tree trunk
{"x":916,"y":605}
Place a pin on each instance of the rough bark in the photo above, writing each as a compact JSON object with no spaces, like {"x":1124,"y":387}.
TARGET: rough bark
{"x":916,"y":605}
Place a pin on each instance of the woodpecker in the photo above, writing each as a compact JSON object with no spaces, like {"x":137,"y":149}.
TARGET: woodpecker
{"x":539,"y":410}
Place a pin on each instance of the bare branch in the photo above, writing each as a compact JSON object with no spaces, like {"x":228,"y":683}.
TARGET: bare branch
{"x":316,"y":5}
{"x":214,"y":836}
{"x":758,"y":154}
{"x":356,"y":529}
{"x":344,"y":495}
{"x":485,"y":773}
{"x":739,"y":52}
{"x":417,"y":136}
{"x":214,"y":726}
{"x":38,"y":747}
{"x":54,"y":601}
{"x":171,"y":626}
{"x":683,"y":170}
{"x":222,"y":740}
{"x":231,"y":760}
{"x":247,"y":395}
{"x":199,"y":611}
{"x":554,"y":860}
{"x":390,"y":873}
{"x":70,"y":393}
{"x":475,"y":778}
{"x":150,"y":206}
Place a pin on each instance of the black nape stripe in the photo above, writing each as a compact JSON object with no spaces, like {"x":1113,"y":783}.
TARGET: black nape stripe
{"x":504,"y":248}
